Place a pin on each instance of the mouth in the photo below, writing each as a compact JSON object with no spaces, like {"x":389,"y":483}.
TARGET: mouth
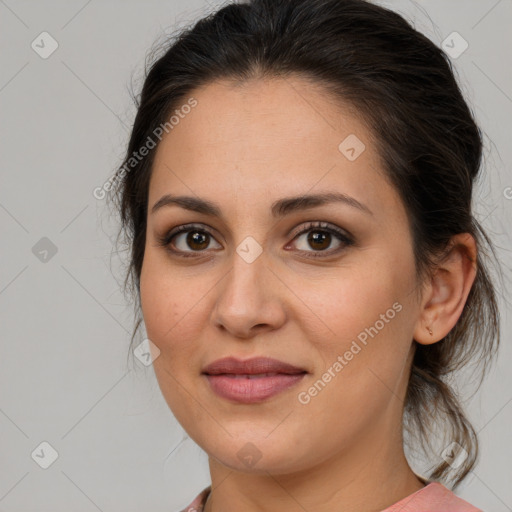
{"x":251,"y":376}
{"x":250,"y":389}
{"x":253,"y":380}
{"x":253,"y":366}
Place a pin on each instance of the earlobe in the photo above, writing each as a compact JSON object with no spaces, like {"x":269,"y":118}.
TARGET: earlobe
{"x":448,"y":290}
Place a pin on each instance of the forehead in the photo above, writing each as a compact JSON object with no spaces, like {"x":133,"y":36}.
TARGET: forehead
{"x":265,"y":139}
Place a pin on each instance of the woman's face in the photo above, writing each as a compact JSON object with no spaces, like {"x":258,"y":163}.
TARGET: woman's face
{"x":259,"y":281}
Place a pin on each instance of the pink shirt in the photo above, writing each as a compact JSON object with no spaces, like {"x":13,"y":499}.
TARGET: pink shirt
{"x":434,"y":497}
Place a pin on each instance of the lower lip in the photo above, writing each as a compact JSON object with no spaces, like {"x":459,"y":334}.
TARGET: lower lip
{"x":249,"y":391}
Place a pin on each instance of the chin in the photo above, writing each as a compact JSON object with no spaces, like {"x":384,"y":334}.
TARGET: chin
{"x":259,"y":455}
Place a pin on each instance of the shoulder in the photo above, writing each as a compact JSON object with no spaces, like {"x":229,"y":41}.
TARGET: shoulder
{"x":197,"y":504}
{"x":434,"y":497}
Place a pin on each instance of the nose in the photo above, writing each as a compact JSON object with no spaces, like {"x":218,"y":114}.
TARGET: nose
{"x":249,"y":299}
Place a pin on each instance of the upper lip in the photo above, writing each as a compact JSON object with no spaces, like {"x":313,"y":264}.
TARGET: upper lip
{"x":251,"y":366}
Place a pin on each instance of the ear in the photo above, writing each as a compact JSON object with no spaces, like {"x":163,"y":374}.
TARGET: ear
{"x":446,"y":292}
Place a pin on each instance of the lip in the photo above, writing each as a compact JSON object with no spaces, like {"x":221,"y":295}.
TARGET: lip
{"x":252,"y":366}
{"x":241,"y":380}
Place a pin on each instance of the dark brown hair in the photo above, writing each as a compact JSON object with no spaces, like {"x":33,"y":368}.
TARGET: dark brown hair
{"x":403,"y":87}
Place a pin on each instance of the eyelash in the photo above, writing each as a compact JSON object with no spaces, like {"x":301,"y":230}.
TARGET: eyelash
{"x":165,"y":241}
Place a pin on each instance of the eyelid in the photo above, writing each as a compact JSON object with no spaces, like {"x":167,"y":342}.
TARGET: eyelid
{"x":321,"y":225}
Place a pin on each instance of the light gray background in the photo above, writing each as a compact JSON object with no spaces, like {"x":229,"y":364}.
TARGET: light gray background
{"x":65,"y":326}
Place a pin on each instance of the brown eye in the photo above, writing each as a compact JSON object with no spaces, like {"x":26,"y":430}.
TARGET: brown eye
{"x":197,"y":240}
{"x":317,"y":239}
{"x":320,"y":237}
{"x":188,"y":239}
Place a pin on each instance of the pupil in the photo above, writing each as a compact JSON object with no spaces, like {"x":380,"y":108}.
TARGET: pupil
{"x":318,"y":237}
{"x":195,"y":237}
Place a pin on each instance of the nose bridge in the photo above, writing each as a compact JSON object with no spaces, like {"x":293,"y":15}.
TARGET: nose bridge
{"x":244,"y":283}
{"x":247,"y":298}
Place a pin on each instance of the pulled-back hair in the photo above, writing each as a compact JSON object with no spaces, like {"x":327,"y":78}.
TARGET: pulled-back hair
{"x":403,"y":88}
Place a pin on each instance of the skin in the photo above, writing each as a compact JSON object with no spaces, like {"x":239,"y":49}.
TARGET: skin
{"x":244,"y":147}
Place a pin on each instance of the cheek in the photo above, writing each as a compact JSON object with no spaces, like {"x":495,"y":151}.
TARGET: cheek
{"x":169,"y":304}
{"x":365,"y":320}
{"x":363,"y":367}
{"x":171,"y":307}
{"x":355,"y":298}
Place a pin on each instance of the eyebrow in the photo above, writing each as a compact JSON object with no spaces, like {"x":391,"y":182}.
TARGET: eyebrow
{"x":279,"y":208}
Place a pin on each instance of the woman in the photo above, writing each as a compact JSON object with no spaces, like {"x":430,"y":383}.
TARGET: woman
{"x":296,"y":195}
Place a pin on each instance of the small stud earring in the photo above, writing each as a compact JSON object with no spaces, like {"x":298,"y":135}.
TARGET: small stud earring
{"x":430,"y":331}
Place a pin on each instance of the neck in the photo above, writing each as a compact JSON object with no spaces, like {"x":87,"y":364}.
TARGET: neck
{"x":373,"y":482}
